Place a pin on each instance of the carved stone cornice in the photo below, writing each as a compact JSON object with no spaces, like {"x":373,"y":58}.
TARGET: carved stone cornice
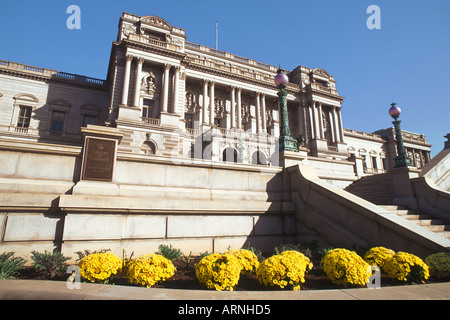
{"x":292,"y":88}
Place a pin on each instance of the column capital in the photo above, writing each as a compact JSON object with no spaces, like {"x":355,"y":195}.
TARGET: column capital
{"x":140,"y":60}
{"x":129,"y":57}
{"x":167,"y":66}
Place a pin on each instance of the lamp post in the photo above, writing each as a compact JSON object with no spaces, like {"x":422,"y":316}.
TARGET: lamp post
{"x":286,"y":142}
{"x":402,"y":160}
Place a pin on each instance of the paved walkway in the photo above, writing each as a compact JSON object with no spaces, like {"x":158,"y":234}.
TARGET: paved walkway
{"x":58,"y":290}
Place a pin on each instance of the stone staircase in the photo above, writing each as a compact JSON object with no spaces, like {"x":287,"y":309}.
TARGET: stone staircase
{"x":438,"y":226}
{"x":378,"y":189}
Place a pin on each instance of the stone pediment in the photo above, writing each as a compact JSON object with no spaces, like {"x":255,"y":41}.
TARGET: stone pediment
{"x":321,"y":72}
{"x":156,"y":21}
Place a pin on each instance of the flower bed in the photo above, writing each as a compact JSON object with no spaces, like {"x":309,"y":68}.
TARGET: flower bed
{"x":244,"y":270}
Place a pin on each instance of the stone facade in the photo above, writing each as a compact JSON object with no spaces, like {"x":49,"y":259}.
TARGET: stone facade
{"x":195,"y":160}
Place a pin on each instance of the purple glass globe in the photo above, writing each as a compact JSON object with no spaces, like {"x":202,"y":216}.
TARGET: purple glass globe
{"x":281,"y":78}
{"x":394,"y":111}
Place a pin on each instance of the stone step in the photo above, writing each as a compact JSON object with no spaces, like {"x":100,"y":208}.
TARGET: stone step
{"x":445,"y":234}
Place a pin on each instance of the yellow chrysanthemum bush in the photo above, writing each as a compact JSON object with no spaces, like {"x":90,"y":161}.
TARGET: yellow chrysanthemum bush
{"x":346,"y":267}
{"x":284,"y":270}
{"x":248,"y":260}
{"x":406,"y":267}
{"x":99,"y":267}
{"x":219,"y":271}
{"x":439,"y":264}
{"x":378,"y":256}
{"x":149,"y":270}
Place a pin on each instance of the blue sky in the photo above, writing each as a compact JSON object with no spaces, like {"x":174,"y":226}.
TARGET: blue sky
{"x":406,"y":61}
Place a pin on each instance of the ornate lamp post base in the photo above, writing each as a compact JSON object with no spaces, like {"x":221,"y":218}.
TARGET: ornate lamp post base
{"x":402,"y":161}
{"x":287,"y":143}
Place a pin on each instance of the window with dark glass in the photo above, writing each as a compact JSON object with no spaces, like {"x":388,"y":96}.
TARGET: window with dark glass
{"x":148,"y":109}
{"x":189,"y":117}
{"x":57,"y":122}
{"x":23,"y":121}
{"x":88,"y":119}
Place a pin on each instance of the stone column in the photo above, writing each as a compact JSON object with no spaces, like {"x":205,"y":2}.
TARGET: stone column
{"x":340,"y":128}
{"x":176,"y":78}
{"x":316,"y":121}
{"x":126,"y":80}
{"x":311,"y":120}
{"x":165,"y":99}
{"x":321,"y":130}
{"x":263,"y":113}
{"x":239,"y":109}
{"x":137,"y":84}
{"x":205,"y":101}
{"x":232,"y":109}
{"x":332,"y":129}
{"x":336,"y":125}
{"x":211,"y":102}
{"x":258,"y":113}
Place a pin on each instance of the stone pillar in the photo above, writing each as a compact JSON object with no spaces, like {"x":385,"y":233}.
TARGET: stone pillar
{"x":258,"y":113}
{"x":233,"y":108}
{"x":263,"y":113}
{"x":336,"y":125}
{"x":165,"y":99}
{"x":205,"y":101}
{"x":311,"y":120}
{"x":137,"y":84}
{"x":211,"y":102}
{"x":321,"y":129}
{"x":126,"y":80}
{"x":176,"y":78}
{"x":316,"y":121}
{"x":340,"y":127}
{"x":239,"y":109}
{"x":332,"y":126}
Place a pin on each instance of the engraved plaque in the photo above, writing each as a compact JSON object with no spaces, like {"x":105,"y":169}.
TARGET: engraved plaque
{"x":98,"y":162}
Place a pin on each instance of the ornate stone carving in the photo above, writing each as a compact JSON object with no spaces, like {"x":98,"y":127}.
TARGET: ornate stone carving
{"x":157,"y":21}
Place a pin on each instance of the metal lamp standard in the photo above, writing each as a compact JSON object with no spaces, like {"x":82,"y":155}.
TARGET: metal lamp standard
{"x":402,"y":160}
{"x":286,"y":142}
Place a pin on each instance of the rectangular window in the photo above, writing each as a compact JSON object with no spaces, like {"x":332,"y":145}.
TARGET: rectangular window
{"x":148,"y":109}
{"x":88,"y":119}
{"x":24,"y":118}
{"x":189,"y":120}
{"x":57,"y":122}
{"x":374,"y":163}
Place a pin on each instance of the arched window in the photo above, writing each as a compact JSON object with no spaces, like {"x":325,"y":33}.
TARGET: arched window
{"x":148,"y":147}
{"x":259,"y":157}
{"x":229,"y":155}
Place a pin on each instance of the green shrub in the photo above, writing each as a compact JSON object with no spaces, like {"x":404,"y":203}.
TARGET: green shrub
{"x":49,"y":263}
{"x":10,"y":266}
{"x":168,"y":252}
{"x":439,"y":264}
{"x":82,"y":254}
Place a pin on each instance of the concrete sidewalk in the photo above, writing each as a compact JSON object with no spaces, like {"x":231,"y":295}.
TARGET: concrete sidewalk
{"x":58,"y":290}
